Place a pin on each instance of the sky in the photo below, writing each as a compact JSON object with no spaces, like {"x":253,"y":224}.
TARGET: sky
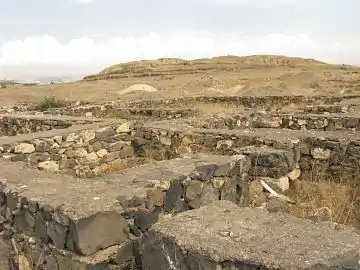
{"x":59,"y":38}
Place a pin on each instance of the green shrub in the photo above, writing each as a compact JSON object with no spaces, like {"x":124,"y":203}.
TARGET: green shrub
{"x":50,"y":102}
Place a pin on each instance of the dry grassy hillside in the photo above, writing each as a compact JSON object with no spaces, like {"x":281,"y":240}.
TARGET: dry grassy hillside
{"x":224,"y":75}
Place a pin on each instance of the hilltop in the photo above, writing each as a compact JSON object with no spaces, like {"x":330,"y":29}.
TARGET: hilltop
{"x":223,"y":75}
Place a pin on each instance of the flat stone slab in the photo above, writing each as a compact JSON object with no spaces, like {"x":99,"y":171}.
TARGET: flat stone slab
{"x":224,"y":236}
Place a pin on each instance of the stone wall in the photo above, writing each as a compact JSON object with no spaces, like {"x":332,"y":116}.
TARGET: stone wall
{"x":74,"y":228}
{"x":328,"y":122}
{"x":317,"y":156}
{"x":85,"y":153}
{"x":115,"y":111}
{"x":91,"y":152}
{"x":332,"y":108}
{"x":14,"y":125}
{"x":254,"y":102}
{"x":181,"y":107}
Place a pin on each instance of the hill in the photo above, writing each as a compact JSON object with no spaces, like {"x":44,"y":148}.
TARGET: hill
{"x":223,"y":75}
{"x":176,"y":66}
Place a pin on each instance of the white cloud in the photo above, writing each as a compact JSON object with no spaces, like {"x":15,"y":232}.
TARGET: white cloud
{"x":257,"y":3}
{"x":82,"y":1}
{"x":84,"y":55}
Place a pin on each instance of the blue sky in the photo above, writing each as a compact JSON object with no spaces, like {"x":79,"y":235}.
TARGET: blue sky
{"x":73,"y":37}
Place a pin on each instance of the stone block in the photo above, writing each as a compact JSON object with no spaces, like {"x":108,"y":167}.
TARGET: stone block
{"x":224,"y":236}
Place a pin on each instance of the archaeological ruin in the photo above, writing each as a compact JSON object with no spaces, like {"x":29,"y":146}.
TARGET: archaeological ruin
{"x":163,"y":184}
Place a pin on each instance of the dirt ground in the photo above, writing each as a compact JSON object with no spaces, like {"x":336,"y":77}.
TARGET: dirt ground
{"x":226,"y":75}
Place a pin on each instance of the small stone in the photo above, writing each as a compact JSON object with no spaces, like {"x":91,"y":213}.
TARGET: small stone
{"x":104,"y":132}
{"x":24,"y":148}
{"x":225,"y":145}
{"x":165,"y":141}
{"x":80,"y":153}
{"x":88,"y":114}
{"x":144,"y":219}
{"x":124,"y":128}
{"x":19,"y":157}
{"x":124,"y":253}
{"x":294,"y":174}
{"x":49,"y":166}
{"x":91,"y":157}
{"x":155,"y":197}
{"x":117,"y":146}
{"x":126,"y":151}
{"x":320,"y":153}
{"x":97,"y":146}
{"x":173,"y":196}
{"x":193,"y":190}
{"x":32,"y":240}
{"x":88,"y":135}
{"x":71,"y":137}
{"x":218,"y":182}
{"x":163,"y":185}
{"x":102,"y":152}
{"x":301,"y":122}
{"x":283,"y":183}
{"x":58,"y":139}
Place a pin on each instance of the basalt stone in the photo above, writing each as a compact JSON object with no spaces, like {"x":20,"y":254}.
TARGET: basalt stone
{"x":193,"y":190}
{"x":12,"y":200}
{"x":125,"y":253}
{"x":126,"y":151}
{"x":40,"y":227}
{"x":24,"y":221}
{"x":2,"y":198}
{"x":57,"y":233}
{"x":270,"y":160}
{"x":145,"y":219}
{"x":19,"y":157}
{"x":47,"y":211}
{"x":173,"y":196}
{"x":138,"y":142}
{"x":134,"y":201}
{"x":106,"y":229}
{"x":155,"y":197}
{"x":204,"y":172}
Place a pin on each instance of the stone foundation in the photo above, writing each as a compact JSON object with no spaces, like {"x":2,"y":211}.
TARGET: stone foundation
{"x":24,"y":124}
{"x":85,"y":153}
{"x":320,"y":154}
{"x":326,"y":122}
{"x":251,"y":239}
{"x":49,"y":211}
{"x":114,"y":111}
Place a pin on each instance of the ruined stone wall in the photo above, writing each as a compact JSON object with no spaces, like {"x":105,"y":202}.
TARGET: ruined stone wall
{"x":85,"y":153}
{"x":172,"y":108}
{"x":324,"y":122}
{"x":115,"y":111}
{"x":246,"y":101}
{"x":12,"y":125}
{"x":113,"y":221}
{"x":316,"y":157}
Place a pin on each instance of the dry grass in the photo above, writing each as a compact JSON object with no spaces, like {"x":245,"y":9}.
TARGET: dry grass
{"x":213,"y":108}
{"x":331,"y":201}
{"x":49,"y":103}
